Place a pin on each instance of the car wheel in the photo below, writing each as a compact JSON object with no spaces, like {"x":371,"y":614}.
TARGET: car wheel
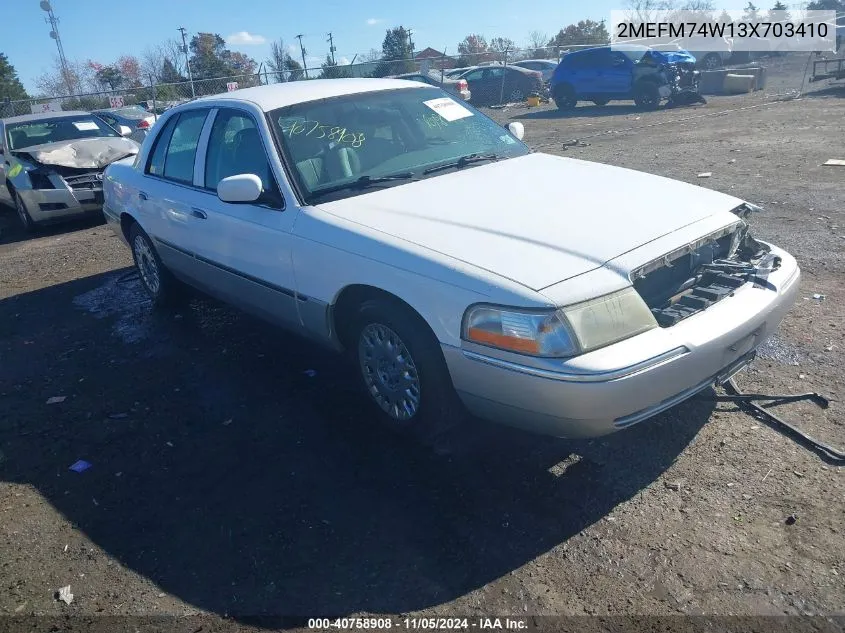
{"x":647,"y":95}
{"x":403,"y":372}
{"x":155,"y":278}
{"x":516,"y":96}
{"x":711,"y":61}
{"x":565,"y":98}
{"x":26,"y":219}
{"x":601,"y":102}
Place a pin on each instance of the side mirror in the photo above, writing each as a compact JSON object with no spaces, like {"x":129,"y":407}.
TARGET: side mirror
{"x":240,"y":188}
{"x":124,"y":130}
{"x":516,"y":128}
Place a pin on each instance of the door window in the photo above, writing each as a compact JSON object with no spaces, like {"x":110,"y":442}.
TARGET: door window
{"x":235,"y":147}
{"x":182,"y":149}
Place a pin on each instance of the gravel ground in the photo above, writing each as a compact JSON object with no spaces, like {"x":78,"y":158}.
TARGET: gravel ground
{"x":230,"y":481}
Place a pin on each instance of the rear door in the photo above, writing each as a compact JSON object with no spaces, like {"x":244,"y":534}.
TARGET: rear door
{"x":243,"y":250}
{"x":168,"y":194}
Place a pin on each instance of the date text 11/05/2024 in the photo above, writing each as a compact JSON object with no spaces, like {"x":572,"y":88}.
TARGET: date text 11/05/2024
{"x":422,"y":623}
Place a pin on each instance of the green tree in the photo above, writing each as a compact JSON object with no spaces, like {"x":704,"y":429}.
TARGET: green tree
{"x":585,"y":32}
{"x":110,"y":78}
{"x":779,"y":6}
{"x":395,"y":53}
{"x":826,"y":5}
{"x":10,"y":85}
{"x":751,"y":13}
{"x":169,"y":74}
{"x":331,"y":70}
{"x":210,"y":58}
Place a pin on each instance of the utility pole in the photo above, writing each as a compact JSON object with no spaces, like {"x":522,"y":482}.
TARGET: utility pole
{"x":53,"y":21}
{"x":332,"y":49}
{"x":181,"y":29}
{"x":411,"y":42}
{"x":302,"y":48}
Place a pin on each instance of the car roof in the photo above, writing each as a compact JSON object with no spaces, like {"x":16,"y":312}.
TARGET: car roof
{"x":542,"y":61}
{"x":290,"y":93}
{"x":44,"y":116}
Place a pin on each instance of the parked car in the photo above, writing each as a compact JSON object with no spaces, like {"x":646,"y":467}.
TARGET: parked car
{"x":454,"y":73}
{"x":338,"y":209}
{"x":51,"y":164}
{"x":624,"y":72}
{"x":718,"y":53}
{"x":457,"y":87}
{"x":494,"y":84}
{"x":137,"y":119}
{"x":544,"y":66}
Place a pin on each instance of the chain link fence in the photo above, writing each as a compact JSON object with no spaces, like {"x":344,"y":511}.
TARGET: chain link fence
{"x":490,"y":86}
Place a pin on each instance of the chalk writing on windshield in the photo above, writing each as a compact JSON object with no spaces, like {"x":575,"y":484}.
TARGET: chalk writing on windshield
{"x":319,"y":130}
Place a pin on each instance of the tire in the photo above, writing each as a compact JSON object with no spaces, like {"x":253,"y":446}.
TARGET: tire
{"x":156,"y":280}
{"x":402,"y":371}
{"x":565,"y":97}
{"x":711,"y":61}
{"x":647,"y":96}
{"x":516,"y":95}
{"x":23,"y":215}
{"x":601,"y":102}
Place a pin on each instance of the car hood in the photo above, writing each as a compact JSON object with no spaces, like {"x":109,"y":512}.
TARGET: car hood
{"x":83,"y":153}
{"x":537,"y":219}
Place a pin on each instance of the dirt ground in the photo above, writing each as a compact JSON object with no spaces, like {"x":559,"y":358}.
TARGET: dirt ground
{"x":229,"y":480}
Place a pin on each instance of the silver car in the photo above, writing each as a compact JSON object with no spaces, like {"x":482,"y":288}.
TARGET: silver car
{"x":135,"y":118}
{"x":51,"y":164}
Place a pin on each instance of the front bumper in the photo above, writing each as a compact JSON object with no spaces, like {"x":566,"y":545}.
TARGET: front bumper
{"x":53,"y":205}
{"x":622,"y":384}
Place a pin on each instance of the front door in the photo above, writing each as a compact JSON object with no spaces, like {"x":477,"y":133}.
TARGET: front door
{"x":245,"y":249}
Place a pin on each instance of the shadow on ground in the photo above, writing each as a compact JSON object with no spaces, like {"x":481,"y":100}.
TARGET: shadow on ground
{"x":240,"y":482}
{"x":11,"y":230}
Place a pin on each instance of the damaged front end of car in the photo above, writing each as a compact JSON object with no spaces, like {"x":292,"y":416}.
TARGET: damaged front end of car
{"x":695,"y":276}
{"x":673,"y":70}
{"x":58,"y":180}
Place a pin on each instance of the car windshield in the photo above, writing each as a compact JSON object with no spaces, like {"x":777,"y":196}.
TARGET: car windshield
{"x":368,"y":138}
{"x":43,"y":131}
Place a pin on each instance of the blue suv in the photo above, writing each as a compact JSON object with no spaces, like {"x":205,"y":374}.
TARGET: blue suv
{"x":633,"y":72}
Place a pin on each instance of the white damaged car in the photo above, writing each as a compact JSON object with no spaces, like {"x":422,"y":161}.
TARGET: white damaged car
{"x":386,"y":219}
{"x":51,"y":164}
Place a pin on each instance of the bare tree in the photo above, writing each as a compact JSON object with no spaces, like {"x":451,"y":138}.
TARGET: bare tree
{"x":645,"y":10}
{"x":538,"y":39}
{"x":373,"y":55}
{"x":154,"y":57}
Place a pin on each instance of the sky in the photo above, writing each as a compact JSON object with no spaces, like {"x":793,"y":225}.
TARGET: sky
{"x":103,"y":30}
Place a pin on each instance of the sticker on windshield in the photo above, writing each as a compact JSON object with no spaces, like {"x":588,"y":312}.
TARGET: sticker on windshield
{"x":448,"y":108}
{"x":85,"y":126}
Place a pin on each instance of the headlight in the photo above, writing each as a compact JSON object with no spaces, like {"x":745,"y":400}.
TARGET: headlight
{"x":568,"y":331}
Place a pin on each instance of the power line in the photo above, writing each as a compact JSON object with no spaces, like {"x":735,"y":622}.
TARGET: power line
{"x":332,"y":49}
{"x":302,"y":48}
{"x":181,"y":29}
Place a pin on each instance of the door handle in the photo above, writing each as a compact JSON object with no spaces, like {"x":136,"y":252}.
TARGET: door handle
{"x":142,"y":195}
{"x":198,"y":213}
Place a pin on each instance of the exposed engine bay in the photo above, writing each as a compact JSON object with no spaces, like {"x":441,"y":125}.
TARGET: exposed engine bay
{"x":692,"y":278}
{"x":675,"y":70}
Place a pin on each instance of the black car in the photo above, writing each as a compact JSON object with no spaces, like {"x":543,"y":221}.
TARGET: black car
{"x":502,"y":84}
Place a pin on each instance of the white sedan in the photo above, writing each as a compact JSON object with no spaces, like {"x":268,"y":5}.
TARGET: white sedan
{"x":386,"y":219}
